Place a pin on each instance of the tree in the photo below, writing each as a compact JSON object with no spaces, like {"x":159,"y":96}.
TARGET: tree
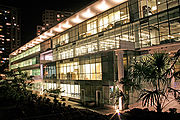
{"x":156,"y":71}
{"x":15,"y":85}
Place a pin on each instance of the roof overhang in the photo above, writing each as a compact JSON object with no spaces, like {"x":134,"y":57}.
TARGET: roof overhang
{"x":84,"y":14}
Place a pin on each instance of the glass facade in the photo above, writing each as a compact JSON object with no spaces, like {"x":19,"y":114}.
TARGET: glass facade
{"x":49,"y":71}
{"x":26,"y":53}
{"x":83,"y":58}
{"x":45,"y":45}
{"x":84,"y":68}
{"x":33,"y":72}
{"x":157,"y":23}
{"x":25,"y":63}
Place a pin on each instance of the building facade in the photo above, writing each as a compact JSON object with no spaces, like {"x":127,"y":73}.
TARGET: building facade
{"x":84,"y":54}
{"x":9,"y":33}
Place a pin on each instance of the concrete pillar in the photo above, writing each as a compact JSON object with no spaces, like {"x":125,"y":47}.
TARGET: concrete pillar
{"x":120,"y":65}
{"x":41,"y":70}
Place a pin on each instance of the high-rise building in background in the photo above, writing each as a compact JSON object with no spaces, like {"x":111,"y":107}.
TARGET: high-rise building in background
{"x":10,"y":35}
{"x":51,"y":18}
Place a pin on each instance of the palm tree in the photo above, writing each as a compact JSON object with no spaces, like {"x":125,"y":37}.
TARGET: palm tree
{"x":156,"y":70}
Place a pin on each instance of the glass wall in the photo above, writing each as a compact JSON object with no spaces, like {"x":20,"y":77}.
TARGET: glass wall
{"x":70,"y":90}
{"x":49,"y":71}
{"x":84,"y":31}
{"x":88,"y":68}
{"x":45,"y":45}
{"x":161,"y":28}
{"x":25,"y":63}
{"x":33,"y":72}
{"x":150,"y":7}
{"x":114,"y":17}
{"x":60,"y":40}
{"x":113,"y":29}
{"x":26,"y":53}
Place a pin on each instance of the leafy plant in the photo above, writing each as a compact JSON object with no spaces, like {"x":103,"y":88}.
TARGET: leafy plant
{"x":152,"y":76}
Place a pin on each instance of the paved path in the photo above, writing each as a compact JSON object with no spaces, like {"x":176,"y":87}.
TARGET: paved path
{"x":106,"y":110}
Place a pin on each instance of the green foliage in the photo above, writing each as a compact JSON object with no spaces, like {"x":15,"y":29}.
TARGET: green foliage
{"x":15,"y":85}
{"x":152,"y":76}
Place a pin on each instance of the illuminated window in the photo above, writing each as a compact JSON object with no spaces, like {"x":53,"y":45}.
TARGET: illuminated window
{"x":91,"y":27}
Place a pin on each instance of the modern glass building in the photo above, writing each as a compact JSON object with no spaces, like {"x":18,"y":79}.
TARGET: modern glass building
{"x":84,"y":54}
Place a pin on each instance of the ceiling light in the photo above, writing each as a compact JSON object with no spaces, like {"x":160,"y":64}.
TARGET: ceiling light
{"x":66,"y":25}
{"x":76,"y":19}
{"x":103,"y":6}
{"x":50,"y":34}
{"x":88,"y":13}
{"x":58,"y":29}
{"x":40,"y":40}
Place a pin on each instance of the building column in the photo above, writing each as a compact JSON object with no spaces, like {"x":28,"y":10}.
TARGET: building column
{"x":120,"y":66}
{"x":41,"y":70}
{"x":136,"y":34}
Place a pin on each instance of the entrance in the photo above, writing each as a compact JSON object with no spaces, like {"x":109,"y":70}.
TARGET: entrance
{"x":98,"y":98}
{"x":83,"y":96}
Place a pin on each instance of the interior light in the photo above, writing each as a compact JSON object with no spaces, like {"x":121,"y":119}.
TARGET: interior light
{"x":58,"y":29}
{"x":66,"y":25}
{"x":40,"y":40}
{"x":87,"y":13}
{"x":76,"y":19}
{"x":30,"y":45}
{"x":43,"y":36}
{"x":118,"y":1}
{"x":35,"y":42}
{"x":23,"y":48}
{"x":154,"y":8}
{"x":103,"y":6}
{"x":49,"y":34}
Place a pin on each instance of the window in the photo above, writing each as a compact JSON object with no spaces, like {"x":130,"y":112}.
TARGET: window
{"x":91,"y":27}
{"x":82,"y":69}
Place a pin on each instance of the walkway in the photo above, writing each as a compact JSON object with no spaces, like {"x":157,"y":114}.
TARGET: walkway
{"x":106,"y":110}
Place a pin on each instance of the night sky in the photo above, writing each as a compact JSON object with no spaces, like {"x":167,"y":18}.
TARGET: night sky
{"x":31,"y":12}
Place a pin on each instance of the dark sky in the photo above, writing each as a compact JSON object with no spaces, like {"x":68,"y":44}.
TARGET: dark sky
{"x":31,"y":12}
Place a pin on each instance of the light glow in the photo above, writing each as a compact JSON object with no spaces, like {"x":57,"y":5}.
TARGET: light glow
{"x":35,"y":42}
{"x":76,"y":19}
{"x":117,"y":110}
{"x":117,"y":1}
{"x":120,"y":103}
{"x":103,"y":6}
{"x":154,"y":8}
{"x":88,"y":13}
{"x":40,"y":40}
{"x":43,"y":36}
{"x":58,"y":29}
{"x":49,"y":34}
{"x":23,"y":48}
{"x":66,"y":25}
